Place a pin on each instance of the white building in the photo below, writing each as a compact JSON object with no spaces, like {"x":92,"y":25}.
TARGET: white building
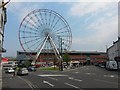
{"x":3,"y":20}
{"x":114,"y":50}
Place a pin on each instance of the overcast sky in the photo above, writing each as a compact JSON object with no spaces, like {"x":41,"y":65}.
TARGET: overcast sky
{"x":93,"y":24}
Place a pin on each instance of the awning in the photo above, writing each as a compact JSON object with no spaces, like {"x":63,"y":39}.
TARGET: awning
{"x":4,"y":59}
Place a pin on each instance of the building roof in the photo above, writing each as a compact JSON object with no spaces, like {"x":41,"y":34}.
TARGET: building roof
{"x":114,"y":42}
{"x":70,"y":52}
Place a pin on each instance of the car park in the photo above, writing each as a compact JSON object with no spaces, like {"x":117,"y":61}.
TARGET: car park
{"x":22,"y":71}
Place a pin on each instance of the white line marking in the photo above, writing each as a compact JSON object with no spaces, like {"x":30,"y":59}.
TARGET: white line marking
{"x":90,"y":73}
{"x":76,"y":72}
{"x":71,"y":85}
{"x":78,"y":80}
{"x":51,"y":75}
{"x":71,"y":78}
{"x":26,"y":82}
{"x":112,"y":76}
{"x":29,"y":83}
{"x":48,"y":83}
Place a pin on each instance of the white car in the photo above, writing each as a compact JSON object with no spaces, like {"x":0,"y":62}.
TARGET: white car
{"x":22,"y":71}
{"x":111,"y":65}
{"x":9,"y":70}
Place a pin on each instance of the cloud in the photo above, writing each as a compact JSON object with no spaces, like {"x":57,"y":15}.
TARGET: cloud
{"x":83,"y":8}
{"x":104,"y":31}
{"x":99,"y":21}
{"x":22,"y":8}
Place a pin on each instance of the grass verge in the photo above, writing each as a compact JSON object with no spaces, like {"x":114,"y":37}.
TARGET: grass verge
{"x":48,"y":68}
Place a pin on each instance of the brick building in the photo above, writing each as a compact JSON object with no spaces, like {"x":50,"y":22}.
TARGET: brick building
{"x":76,"y":56}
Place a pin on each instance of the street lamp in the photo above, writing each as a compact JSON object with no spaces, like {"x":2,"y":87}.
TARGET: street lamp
{"x":60,"y":50}
{"x":61,"y":55}
{"x":3,"y":4}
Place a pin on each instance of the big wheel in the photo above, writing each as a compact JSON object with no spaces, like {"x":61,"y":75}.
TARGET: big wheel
{"x":44,"y":29}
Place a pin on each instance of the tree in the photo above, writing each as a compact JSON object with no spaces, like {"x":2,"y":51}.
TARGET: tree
{"x":66,"y":58}
{"x":27,"y":63}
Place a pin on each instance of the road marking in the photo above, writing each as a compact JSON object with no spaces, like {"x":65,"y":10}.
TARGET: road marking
{"x":51,"y":75}
{"x":106,"y":81}
{"x":71,"y":78}
{"x":53,"y":78}
{"x":76,"y":72}
{"x":90,"y":73}
{"x":71,"y":85}
{"x":112,"y":76}
{"x":29,"y":83}
{"x":78,"y":80}
{"x":48,"y":83}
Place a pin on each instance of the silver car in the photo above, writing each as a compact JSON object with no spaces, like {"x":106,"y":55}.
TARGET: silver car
{"x":9,"y":70}
{"x":22,"y":71}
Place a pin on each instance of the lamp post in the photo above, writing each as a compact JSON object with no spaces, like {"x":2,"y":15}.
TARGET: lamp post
{"x":61,"y":55}
{"x":3,"y":4}
{"x":60,"y":50}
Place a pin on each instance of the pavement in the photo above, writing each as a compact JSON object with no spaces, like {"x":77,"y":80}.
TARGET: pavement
{"x":14,"y":82}
{"x":0,"y":77}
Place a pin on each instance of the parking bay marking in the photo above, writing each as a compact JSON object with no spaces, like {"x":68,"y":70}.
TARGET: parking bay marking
{"x":112,"y":76}
{"x":71,"y":85}
{"x":51,"y":75}
{"x":48,"y":83}
{"x":53,"y":78}
{"x":71,"y":78}
{"x":28,"y":82}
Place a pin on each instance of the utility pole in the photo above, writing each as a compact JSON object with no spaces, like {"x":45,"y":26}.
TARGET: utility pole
{"x":61,"y":55}
{"x":60,"y":50}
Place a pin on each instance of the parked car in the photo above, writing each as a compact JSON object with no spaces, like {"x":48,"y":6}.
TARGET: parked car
{"x":111,"y":65}
{"x":9,"y":70}
{"x":31,"y":68}
{"x":22,"y":71}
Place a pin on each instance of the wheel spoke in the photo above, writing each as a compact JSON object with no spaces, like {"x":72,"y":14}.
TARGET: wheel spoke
{"x":29,"y":32}
{"x":53,"y":21}
{"x":38,"y":19}
{"x":31,"y":24}
{"x":29,"y":36}
{"x":42,"y":18}
{"x":31,"y":41}
{"x":35,"y":23}
{"x":60,"y":29}
{"x":49,"y":18}
{"x":45,"y":19}
{"x":34,"y":44}
{"x":30,"y":28}
{"x":62,"y":32}
{"x":55,"y":24}
{"x":38,"y":46}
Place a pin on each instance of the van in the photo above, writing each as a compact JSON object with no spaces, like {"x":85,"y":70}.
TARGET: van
{"x":111,"y":65}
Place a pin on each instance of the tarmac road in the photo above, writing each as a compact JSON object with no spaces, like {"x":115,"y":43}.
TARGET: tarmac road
{"x":82,"y":78}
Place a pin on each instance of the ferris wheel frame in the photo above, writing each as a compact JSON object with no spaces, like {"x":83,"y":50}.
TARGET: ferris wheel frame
{"x":51,"y":12}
